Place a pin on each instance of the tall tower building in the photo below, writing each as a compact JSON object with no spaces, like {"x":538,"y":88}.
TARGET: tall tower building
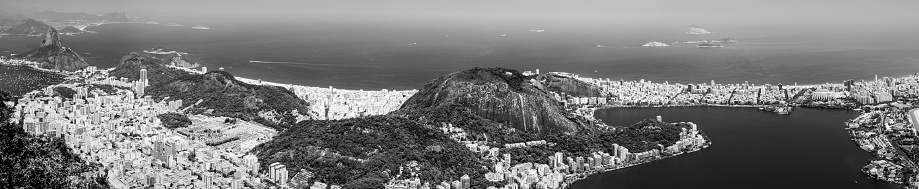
{"x":143,"y":76}
{"x":142,"y":82}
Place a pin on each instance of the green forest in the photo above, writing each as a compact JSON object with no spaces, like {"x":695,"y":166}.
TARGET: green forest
{"x":355,"y":152}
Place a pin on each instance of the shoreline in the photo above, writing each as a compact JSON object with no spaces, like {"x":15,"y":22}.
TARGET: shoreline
{"x":572,"y":178}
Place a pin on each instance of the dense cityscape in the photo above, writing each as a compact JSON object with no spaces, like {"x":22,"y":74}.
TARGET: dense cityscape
{"x":123,"y":130}
{"x":254,"y":95}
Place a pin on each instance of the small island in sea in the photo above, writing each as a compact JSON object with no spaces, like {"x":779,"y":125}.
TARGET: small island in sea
{"x":725,"y":40}
{"x":70,"y":30}
{"x":696,"y":30}
{"x":161,"y":51}
{"x":655,"y":44}
{"x":706,"y":45}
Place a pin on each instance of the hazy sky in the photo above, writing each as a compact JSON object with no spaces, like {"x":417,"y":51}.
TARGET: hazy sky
{"x":694,"y":11}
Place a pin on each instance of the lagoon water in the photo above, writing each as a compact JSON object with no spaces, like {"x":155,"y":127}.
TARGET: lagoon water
{"x":750,"y":149}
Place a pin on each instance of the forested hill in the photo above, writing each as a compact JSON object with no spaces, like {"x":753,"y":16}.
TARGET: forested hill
{"x":501,"y":95}
{"x":220,"y":93}
{"x":223,"y":95}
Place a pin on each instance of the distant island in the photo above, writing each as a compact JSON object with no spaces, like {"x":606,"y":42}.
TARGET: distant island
{"x":725,"y":40}
{"x":655,"y":44}
{"x":706,"y":45}
{"x":70,"y":30}
{"x":696,"y":30}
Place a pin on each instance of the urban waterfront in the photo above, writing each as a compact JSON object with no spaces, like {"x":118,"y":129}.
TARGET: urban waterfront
{"x":809,"y":148}
{"x":449,"y":95}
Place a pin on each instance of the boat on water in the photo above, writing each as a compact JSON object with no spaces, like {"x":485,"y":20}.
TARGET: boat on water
{"x":200,"y":27}
{"x":502,"y":35}
{"x":537,"y":30}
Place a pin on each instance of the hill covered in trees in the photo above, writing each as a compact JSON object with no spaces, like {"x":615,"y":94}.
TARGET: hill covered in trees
{"x":222,"y":95}
{"x":219,"y":92}
{"x":500,"y":95}
{"x":53,"y":55}
{"x":366,"y":152}
{"x":496,"y":106}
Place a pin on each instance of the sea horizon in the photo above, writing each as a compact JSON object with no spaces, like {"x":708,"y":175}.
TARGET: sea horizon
{"x":414,"y":56}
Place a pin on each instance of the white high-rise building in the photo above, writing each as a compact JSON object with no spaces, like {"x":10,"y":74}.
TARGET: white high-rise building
{"x":143,"y":76}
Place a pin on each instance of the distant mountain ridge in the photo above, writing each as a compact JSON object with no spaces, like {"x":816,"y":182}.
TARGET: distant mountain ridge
{"x":28,"y":26}
{"x":64,"y":16}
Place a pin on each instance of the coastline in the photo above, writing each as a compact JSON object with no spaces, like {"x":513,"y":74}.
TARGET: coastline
{"x":572,"y":178}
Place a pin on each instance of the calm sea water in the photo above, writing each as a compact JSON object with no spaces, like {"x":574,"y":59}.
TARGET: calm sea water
{"x":408,"y":55}
{"x":751,"y":149}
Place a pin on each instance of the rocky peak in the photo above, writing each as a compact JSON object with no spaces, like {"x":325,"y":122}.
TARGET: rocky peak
{"x":51,"y":38}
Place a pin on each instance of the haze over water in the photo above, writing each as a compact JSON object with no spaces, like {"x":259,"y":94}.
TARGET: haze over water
{"x":401,"y":55}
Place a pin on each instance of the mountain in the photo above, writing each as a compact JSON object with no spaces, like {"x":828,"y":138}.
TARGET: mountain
{"x":116,"y":17}
{"x":53,"y":55}
{"x":500,"y":95}
{"x":366,"y":152}
{"x":11,"y":15}
{"x":222,"y":95}
{"x":54,"y":15}
{"x":71,"y":30}
{"x":157,"y":70}
{"x":25,"y":27}
{"x":219,"y":92}
{"x":568,"y":86}
{"x":177,"y":60}
{"x":492,"y":106}
{"x":66,"y":16}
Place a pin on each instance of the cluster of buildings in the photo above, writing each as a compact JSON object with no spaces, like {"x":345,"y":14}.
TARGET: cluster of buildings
{"x":647,"y":93}
{"x":333,"y":104}
{"x":887,"y":133}
{"x":560,"y":171}
{"x":122,"y":131}
{"x":886,"y":171}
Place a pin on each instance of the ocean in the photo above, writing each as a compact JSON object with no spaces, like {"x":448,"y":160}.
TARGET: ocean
{"x":404,"y":56}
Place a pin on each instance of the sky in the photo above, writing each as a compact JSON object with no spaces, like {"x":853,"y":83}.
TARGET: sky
{"x":838,"y":12}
